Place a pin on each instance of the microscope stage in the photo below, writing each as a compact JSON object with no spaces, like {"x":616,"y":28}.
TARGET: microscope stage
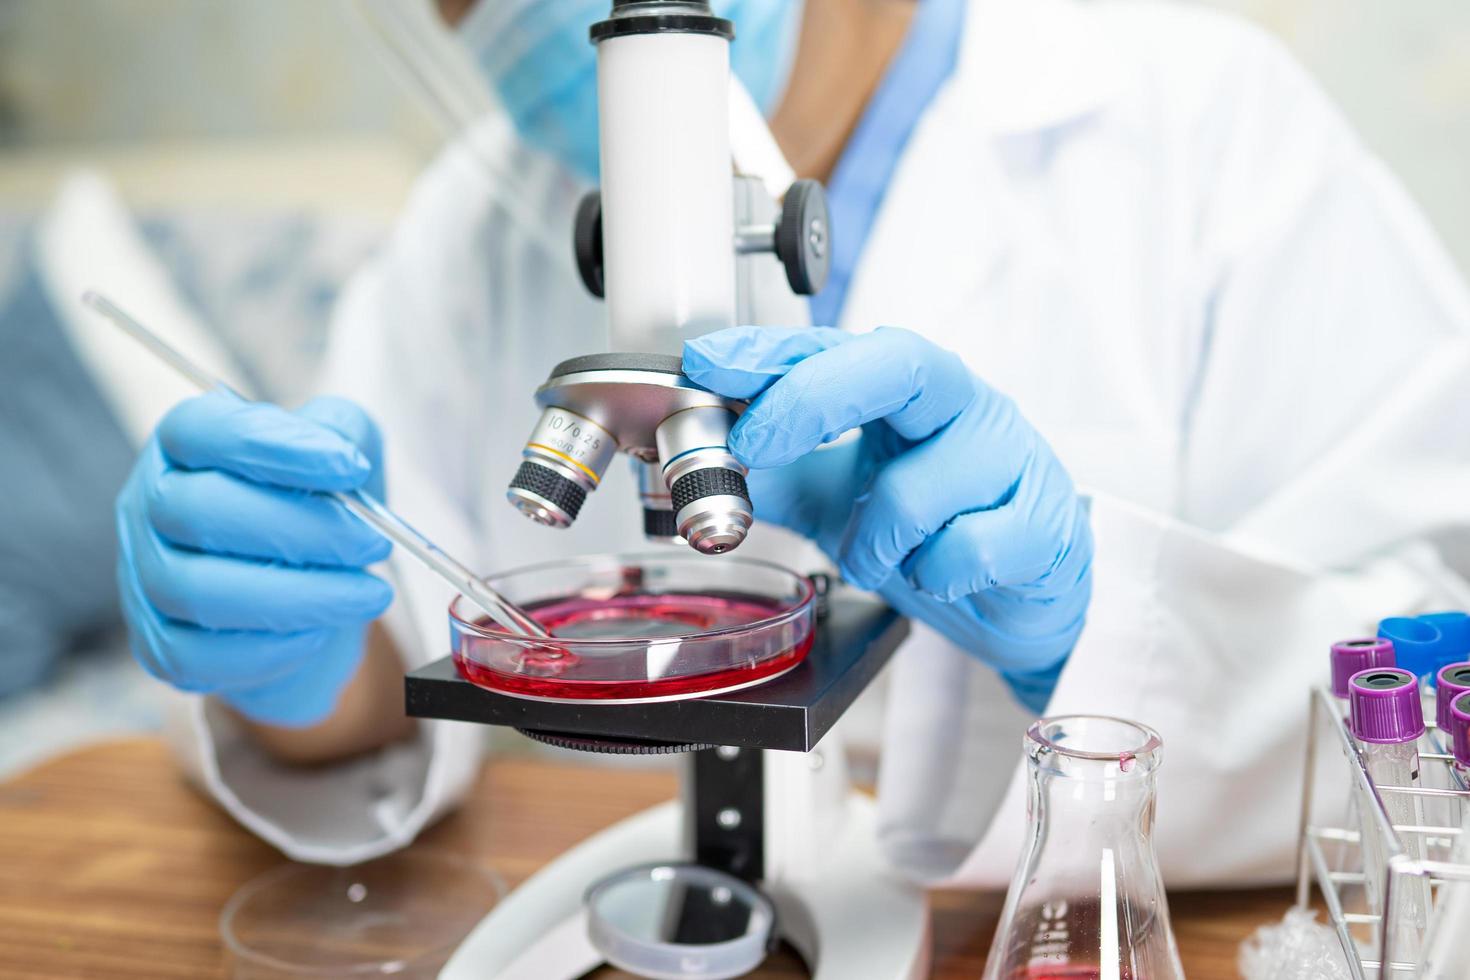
{"x":854,"y":639}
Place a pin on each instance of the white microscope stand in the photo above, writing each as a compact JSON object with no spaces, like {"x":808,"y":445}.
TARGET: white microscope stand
{"x":838,"y":904}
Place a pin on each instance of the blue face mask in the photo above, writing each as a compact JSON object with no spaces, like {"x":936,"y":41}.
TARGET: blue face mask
{"x":537,"y":56}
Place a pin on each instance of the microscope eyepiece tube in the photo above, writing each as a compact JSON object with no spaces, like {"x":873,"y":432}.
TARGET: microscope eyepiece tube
{"x":563,"y":461}
{"x":663,"y":90}
{"x":711,"y":502}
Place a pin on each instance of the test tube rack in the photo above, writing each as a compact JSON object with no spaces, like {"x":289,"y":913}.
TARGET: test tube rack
{"x":1367,"y":937}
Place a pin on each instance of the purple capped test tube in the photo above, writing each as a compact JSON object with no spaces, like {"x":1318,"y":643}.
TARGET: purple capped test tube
{"x":1447,"y":953}
{"x":1383,"y":703}
{"x":1449,"y":682}
{"x":1387,"y":718}
{"x":1351,"y":656}
{"x":1347,"y":658}
{"x":1452,"y":681}
{"x":1459,"y":729}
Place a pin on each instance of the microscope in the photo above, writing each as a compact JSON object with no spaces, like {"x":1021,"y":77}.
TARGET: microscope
{"x":662,"y":243}
{"x":672,"y":242}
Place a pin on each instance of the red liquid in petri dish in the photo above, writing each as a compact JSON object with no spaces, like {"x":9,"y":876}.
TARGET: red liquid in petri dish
{"x":665,"y":615}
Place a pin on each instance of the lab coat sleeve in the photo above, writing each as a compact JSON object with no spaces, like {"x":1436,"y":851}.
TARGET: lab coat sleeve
{"x":407,"y":343}
{"x":1325,"y":454}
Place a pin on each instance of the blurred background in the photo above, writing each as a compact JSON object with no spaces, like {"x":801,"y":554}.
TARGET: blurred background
{"x":203,"y":78}
{"x":95,"y":79}
{"x":242,"y":156}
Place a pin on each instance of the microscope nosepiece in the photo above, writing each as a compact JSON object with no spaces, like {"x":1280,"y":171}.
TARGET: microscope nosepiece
{"x":563,"y":461}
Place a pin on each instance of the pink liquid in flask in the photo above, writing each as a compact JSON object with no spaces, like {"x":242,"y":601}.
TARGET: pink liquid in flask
{"x":1069,"y":971}
{"x":1060,"y":940}
{"x":653,"y":663}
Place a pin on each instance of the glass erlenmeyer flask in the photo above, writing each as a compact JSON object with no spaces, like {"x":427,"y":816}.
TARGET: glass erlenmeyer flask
{"x":1087,"y":901}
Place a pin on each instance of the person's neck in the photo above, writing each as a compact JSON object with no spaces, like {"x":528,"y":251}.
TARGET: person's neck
{"x":844,"y":50}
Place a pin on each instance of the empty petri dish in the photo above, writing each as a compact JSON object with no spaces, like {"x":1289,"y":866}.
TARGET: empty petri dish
{"x":640,"y":628}
{"x":401,"y":916}
{"x":680,"y":922}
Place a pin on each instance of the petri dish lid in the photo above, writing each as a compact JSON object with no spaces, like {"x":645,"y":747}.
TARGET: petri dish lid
{"x":400,"y":916}
{"x":680,"y":922}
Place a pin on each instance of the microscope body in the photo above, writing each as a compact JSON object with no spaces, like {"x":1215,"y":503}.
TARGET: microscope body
{"x":665,"y":242}
{"x":679,"y":243}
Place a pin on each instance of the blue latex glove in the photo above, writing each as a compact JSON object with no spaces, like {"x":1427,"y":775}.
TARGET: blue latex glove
{"x":239,"y":580}
{"x":949,"y":505}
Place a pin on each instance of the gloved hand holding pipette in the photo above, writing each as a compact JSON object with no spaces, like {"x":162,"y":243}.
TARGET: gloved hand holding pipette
{"x":238,"y":578}
{"x":950,"y":505}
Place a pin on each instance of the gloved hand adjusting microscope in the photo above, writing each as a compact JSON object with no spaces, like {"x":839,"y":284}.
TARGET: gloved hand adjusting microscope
{"x":676,"y":250}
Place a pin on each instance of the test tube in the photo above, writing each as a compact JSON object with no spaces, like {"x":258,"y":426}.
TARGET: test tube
{"x":1449,"y":682}
{"x":1447,"y":945}
{"x":1346,"y":658}
{"x":1459,"y":716}
{"x":1458,"y":728}
{"x":1387,"y":719}
{"x":1452,"y":681}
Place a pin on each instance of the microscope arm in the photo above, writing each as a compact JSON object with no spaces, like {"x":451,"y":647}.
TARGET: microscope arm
{"x":752,"y":147}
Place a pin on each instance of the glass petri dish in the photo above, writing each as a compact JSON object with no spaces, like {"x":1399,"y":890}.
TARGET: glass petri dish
{"x":633,"y":629}
{"x":401,"y":916}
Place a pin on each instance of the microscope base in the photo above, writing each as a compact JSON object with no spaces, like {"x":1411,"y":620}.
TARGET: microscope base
{"x":853,"y":919}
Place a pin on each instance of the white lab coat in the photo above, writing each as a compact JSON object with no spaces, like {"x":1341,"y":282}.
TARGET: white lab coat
{"x":1149,"y":227}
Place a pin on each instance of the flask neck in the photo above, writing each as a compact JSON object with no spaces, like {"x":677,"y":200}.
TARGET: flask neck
{"x":1103,"y":764}
{"x":1092,"y":788}
{"x":1087,"y":901}
{"x":1091,"y":796}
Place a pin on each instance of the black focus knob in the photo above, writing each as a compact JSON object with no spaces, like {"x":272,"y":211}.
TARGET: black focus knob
{"x":587,"y":240}
{"x":804,"y":237}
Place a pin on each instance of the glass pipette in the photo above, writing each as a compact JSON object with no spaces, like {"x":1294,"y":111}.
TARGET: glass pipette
{"x":367,"y":508}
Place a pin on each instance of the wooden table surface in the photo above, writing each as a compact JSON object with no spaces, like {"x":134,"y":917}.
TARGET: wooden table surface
{"x":110,"y":866}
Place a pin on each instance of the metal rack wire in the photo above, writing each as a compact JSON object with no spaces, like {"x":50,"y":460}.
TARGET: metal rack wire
{"x":1331,"y":854}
